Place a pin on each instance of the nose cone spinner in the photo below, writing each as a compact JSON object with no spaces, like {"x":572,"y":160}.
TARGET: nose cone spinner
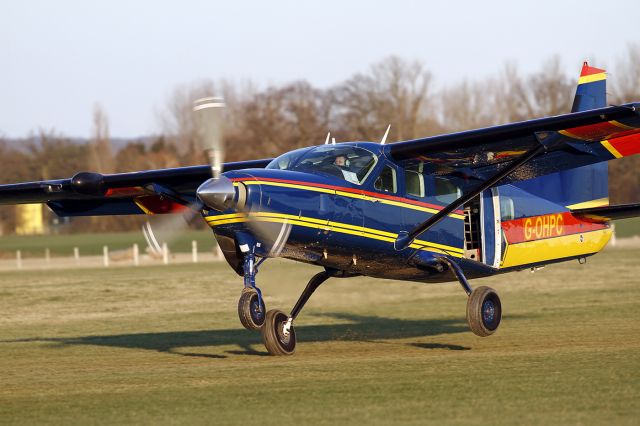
{"x":217,"y":193}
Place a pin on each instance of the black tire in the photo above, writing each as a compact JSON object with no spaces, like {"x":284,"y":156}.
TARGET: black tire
{"x":272,"y":334}
{"x":484,"y":311}
{"x":250,"y":311}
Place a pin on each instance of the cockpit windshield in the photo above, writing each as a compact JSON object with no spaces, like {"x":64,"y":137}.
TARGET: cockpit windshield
{"x":350,"y":163}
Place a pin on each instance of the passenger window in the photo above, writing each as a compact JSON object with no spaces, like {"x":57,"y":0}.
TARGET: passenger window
{"x":507,"y":209}
{"x":414,"y":180}
{"x":387,"y":180}
{"x":446,"y":191}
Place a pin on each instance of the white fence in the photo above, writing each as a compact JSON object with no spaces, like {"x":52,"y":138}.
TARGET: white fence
{"x":109,"y":258}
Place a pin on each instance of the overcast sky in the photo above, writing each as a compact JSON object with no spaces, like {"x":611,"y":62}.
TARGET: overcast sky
{"x":58,"y":58}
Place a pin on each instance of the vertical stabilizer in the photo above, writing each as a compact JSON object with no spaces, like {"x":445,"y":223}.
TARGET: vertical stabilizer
{"x":586,"y":186}
{"x":592,"y":89}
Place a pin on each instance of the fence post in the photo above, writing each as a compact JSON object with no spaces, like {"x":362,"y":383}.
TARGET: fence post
{"x":614,"y":242}
{"x":194,"y":251}
{"x":19,"y":259}
{"x":165,"y":254}
{"x":136,"y":255}
{"x":105,"y":256}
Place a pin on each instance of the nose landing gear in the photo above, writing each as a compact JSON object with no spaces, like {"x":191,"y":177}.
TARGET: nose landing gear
{"x":484,"y":309}
{"x":251,"y":308}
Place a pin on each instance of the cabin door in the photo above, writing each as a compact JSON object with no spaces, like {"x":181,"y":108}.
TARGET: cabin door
{"x":490,"y":228}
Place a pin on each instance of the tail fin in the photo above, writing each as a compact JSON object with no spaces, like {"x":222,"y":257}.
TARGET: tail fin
{"x":586,"y":186}
{"x":592,"y":89}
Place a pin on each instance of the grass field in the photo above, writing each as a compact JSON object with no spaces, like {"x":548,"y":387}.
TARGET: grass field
{"x":163,"y":345}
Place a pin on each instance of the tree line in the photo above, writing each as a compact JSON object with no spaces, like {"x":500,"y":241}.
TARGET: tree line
{"x":265,"y":122}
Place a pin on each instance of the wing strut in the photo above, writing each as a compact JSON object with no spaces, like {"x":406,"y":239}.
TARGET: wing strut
{"x":545,"y":139}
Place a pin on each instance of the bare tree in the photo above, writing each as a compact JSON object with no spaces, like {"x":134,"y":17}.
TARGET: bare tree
{"x":394,"y":91}
{"x":102,"y":159}
{"x":547,"y":92}
{"x":468,"y":105}
{"x":626,"y":84}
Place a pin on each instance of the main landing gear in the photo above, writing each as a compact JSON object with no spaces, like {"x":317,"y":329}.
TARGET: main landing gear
{"x":278,"y":334}
{"x":484,"y":310}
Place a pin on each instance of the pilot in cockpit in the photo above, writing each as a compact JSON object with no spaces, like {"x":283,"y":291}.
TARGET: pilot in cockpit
{"x":342,"y":162}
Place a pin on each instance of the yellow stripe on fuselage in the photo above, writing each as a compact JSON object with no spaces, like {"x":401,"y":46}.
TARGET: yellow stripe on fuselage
{"x":351,"y":195}
{"x":327,"y":225}
{"x":555,"y":248}
{"x":593,"y":77}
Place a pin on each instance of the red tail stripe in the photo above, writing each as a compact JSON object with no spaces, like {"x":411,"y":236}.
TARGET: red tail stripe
{"x":587,"y":70}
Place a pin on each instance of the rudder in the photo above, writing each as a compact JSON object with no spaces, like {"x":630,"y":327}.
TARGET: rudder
{"x":586,"y":186}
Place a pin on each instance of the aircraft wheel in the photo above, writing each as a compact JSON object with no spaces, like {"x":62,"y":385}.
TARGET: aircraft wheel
{"x":484,"y":311}
{"x":275,"y":339}
{"x":250,"y":310}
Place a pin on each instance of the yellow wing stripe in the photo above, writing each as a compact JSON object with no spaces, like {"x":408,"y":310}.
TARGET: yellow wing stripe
{"x":571,"y":135}
{"x":621,"y":125}
{"x":326,"y":225}
{"x":611,"y":149}
{"x":591,"y":203}
{"x":142,"y":207}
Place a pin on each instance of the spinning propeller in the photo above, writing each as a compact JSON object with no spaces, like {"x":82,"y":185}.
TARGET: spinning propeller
{"x":219,"y":192}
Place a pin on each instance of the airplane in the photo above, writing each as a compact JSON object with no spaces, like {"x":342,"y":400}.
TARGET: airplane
{"x":445,"y":208}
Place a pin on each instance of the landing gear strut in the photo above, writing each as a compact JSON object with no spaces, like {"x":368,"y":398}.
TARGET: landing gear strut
{"x":278,"y":334}
{"x":484,"y":310}
{"x":251,"y":308}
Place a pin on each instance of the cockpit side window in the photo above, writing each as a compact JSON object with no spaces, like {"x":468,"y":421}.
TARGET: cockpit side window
{"x":387,"y":181}
{"x":286,"y":161}
{"x":350,"y":163}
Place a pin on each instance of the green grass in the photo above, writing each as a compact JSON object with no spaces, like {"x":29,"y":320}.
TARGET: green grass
{"x":627,"y":227}
{"x":163,"y":345}
{"x":91,"y":244}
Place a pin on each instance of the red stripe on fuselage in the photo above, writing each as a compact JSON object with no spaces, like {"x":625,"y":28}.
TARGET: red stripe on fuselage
{"x":546,"y":226}
{"x":350,"y":190}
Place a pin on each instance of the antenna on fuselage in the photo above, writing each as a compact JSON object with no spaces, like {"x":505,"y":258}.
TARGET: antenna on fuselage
{"x":326,"y":141}
{"x":384,"y":138}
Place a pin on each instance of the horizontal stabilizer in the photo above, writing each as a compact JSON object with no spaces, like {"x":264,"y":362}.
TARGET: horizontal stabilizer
{"x":608,"y":213}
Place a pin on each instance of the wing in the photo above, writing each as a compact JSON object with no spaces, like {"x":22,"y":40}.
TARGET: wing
{"x":608,"y":213}
{"x":574,"y":140}
{"x":144,"y":192}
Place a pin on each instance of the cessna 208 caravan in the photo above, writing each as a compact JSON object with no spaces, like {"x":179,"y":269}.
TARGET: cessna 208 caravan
{"x":445,"y":208}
